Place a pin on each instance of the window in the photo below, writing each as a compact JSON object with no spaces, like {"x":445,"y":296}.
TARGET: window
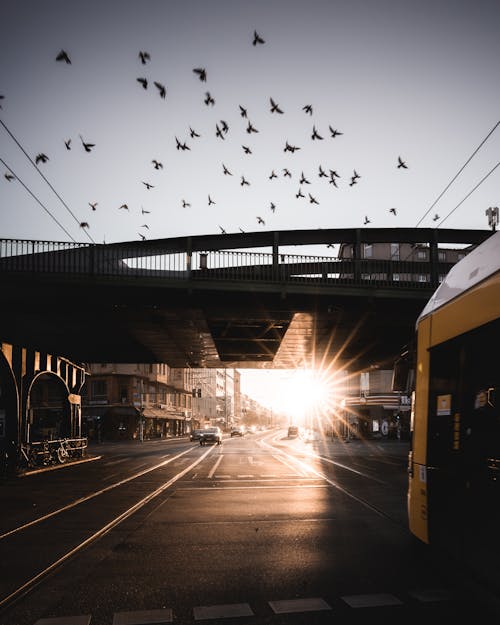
{"x":367,"y":250}
{"x":442,"y":256}
{"x":422,"y":254}
{"x":394,"y":251}
{"x":99,"y":388}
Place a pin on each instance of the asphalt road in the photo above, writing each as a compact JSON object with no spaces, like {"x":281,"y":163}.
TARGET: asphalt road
{"x":259,"y":530}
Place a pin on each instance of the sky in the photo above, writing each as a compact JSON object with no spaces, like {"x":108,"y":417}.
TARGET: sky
{"x":395,"y":78}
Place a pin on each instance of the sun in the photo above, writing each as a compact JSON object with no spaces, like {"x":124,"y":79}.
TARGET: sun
{"x":304,"y":393}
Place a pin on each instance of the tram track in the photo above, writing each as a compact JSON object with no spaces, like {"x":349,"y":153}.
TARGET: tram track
{"x":19,"y":588}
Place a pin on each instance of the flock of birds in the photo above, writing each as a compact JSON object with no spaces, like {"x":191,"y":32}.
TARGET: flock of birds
{"x":221,"y":133}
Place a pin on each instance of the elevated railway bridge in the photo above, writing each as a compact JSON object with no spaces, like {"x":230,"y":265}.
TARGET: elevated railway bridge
{"x":232,"y":300}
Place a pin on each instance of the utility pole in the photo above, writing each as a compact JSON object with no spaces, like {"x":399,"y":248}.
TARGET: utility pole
{"x":492,"y":214}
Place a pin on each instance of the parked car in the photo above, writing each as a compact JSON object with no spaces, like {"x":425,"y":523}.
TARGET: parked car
{"x":195,"y":435}
{"x":211,"y":435}
{"x":238,"y":430}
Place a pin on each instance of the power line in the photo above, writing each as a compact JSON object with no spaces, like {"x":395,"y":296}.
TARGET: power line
{"x":34,"y":196}
{"x":458,"y":173}
{"x":469,"y":194}
{"x":42,"y":175}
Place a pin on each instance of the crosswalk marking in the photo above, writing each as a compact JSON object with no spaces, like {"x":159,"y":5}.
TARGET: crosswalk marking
{"x":83,"y":619}
{"x":229,"y":610}
{"x":299,"y":605}
{"x":143,"y":617}
{"x":371,"y":601}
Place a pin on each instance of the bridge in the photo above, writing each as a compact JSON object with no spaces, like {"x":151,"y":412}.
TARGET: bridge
{"x":230,"y":300}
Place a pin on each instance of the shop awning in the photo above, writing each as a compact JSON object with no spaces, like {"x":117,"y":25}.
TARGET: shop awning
{"x":158,"y":413}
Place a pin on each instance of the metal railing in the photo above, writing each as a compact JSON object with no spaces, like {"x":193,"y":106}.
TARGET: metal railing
{"x":20,"y":256}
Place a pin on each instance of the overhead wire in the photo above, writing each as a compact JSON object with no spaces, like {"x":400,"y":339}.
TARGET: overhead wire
{"x":45,"y":179}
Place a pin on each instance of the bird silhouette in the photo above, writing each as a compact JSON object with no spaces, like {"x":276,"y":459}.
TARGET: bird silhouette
{"x":143,"y":81}
{"x":123,"y":207}
{"x":290,"y":148}
{"x":2,"y":97}
{"x":303,"y":179}
{"x":244,"y":181}
{"x":366,"y":221}
{"x":161,"y":89}
{"x":322,"y":173}
{"x":201,"y":72}
{"x":273,"y":206}
{"x":243,"y":111}
{"x":222,"y":230}
{"x":242,"y":231}
{"x":246,"y":149}
{"x":312,"y":200}
{"x":148,"y":185}
{"x":355,"y":174}
{"x":193,"y":133}
{"x":333,"y":173}
{"x":68,"y":144}
{"x":273,"y":175}
{"x":257,"y":38}
{"x":144,"y":212}
{"x":316,"y":135}
{"x":402,"y":163}
{"x":143,"y":237}
{"x":181,"y":146}
{"x":87,"y":146}
{"x":226,"y":170}
{"x":393,"y":211}
{"x":63,"y":56}
{"x":9,"y":176}
{"x":333,"y":181}
{"x":274,"y":107}
{"x":261,"y":221}
{"x":210,"y":201}
{"x":185,"y":204}
{"x":93,"y":206}
{"x":208,"y":99}
{"x":251,"y":128}
{"x":144,"y":56}
{"x":334,"y":133}
{"x":84,"y":224}
{"x":436,"y":217}
{"x":218,"y":132}
{"x":41,"y":158}
{"x":308,"y":108}
{"x":299,"y":193}
{"x":157,"y":164}
{"x":286,"y":172}
{"x":145,"y":226}
{"x":353,"y":182}
{"x":224,"y":126}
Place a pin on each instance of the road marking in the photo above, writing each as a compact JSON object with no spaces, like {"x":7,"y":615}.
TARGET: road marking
{"x":143,"y":617}
{"x":217,"y":462}
{"x":222,"y":611}
{"x":290,"y":466}
{"x":299,"y":605}
{"x":245,"y":476}
{"x":371,"y":601}
{"x":112,"y":462}
{"x":426,"y":595}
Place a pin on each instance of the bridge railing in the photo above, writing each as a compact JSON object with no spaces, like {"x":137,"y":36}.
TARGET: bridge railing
{"x":219,"y":265}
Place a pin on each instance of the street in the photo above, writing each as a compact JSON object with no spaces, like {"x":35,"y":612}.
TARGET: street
{"x":261,"y":529}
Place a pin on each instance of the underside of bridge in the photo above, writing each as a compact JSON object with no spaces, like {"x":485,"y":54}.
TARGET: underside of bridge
{"x":209,"y":328}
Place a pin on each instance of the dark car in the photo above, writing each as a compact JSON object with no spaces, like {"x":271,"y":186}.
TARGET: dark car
{"x":238,"y":431}
{"x":195,"y":435}
{"x":211,"y":435}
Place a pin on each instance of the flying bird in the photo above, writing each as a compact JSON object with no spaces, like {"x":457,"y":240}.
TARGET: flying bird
{"x":148,"y":185}
{"x":222,"y":230}
{"x":290,"y":148}
{"x":257,"y":38}
{"x":251,"y":128}
{"x":333,"y":173}
{"x":299,"y":193}
{"x":274,"y":107}
{"x":161,"y":89}
{"x":273,"y":206}
{"x":181,"y":146}
{"x":224,"y":126}
{"x":366,"y":221}
{"x":185,"y":204}
{"x":143,"y":237}
{"x":402,"y":163}
{"x":243,"y":111}
{"x":273,"y":175}
{"x":93,"y":206}
{"x":303,"y":179}
{"x":436,"y":217}
{"x":316,"y":135}
{"x":202,"y":73}
{"x":157,"y":164}
{"x":63,"y":56}
{"x":334,"y":133}
{"x":2,"y":97}
{"x":43,"y":158}
{"x":308,"y":108}
{"x":393,"y":211}
{"x":144,"y":212}
{"x":226,"y":170}
{"x":145,"y":57}
{"x":123,"y":207}
{"x":143,"y":81}
{"x":210,"y":201}
{"x":218,"y":132}
{"x":244,"y":181}
{"x":246,"y":149}
{"x":333,"y":181}
{"x":9,"y":176}
{"x":68,"y":144}
{"x":261,"y":221}
{"x":208,"y":99}
{"x":145,"y":226}
{"x":322,"y":173}
{"x":312,"y":200}
{"x":193,"y":133}
{"x":87,"y":146}
{"x":286,"y":172}
{"x":84,"y":224}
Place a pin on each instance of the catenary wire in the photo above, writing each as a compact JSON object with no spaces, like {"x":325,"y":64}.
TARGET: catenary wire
{"x":42,"y":175}
{"x":457,"y":174}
